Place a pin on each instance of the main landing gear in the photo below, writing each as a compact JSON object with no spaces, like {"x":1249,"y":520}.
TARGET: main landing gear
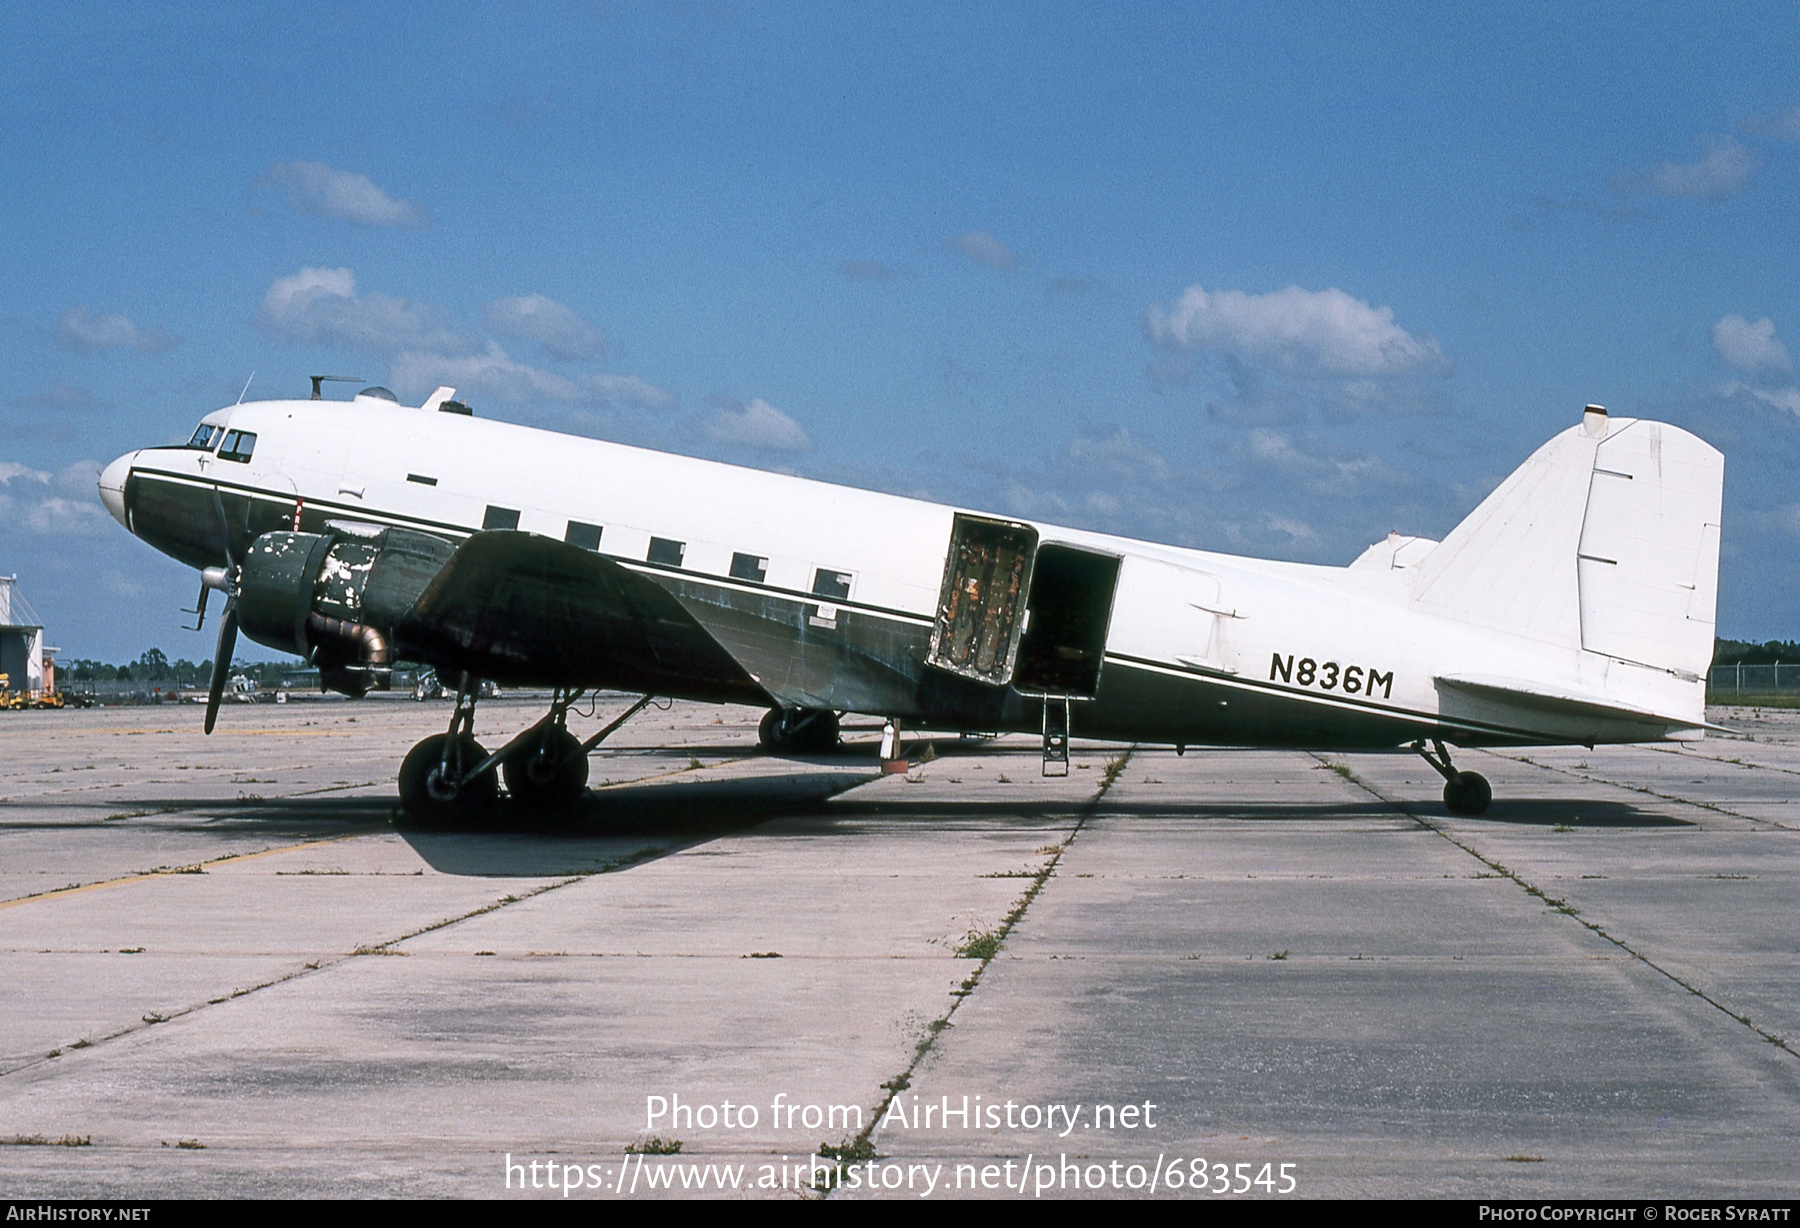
{"x":1465,"y":793}
{"x":450,"y":780}
{"x":798,"y":731}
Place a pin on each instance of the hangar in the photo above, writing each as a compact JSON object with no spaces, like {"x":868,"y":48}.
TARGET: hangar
{"x":22,"y":656}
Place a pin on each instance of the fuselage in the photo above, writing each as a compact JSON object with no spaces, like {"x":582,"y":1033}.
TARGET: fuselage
{"x":829,"y":594}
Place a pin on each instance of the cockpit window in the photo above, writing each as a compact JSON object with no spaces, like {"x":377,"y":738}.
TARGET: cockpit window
{"x":205,"y":436}
{"x":238,"y":446}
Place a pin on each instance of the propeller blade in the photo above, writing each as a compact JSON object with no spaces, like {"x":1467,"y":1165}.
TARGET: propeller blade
{"x":228,"y":627}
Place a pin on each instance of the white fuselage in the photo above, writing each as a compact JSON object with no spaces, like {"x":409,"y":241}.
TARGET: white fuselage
{"x":1319,"y":636}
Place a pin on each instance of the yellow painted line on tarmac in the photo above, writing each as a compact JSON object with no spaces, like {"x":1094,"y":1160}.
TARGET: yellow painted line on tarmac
{"x":139,"y":878}
{"x":292,"y":733}
{"x":254,"y":733}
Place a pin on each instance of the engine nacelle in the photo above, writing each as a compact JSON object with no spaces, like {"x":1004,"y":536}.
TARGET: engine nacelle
{"x":335,"y":597}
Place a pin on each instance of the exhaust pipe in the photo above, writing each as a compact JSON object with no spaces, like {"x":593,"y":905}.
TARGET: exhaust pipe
{"x":374,"y":656}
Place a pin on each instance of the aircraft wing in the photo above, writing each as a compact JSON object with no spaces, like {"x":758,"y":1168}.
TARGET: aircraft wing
{"x":526,"y":610}
{"x":1565,"y":701}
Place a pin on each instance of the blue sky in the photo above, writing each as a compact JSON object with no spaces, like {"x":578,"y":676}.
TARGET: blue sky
{"x":1272,"y":282}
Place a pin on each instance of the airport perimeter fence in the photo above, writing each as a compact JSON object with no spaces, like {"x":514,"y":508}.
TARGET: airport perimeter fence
{"x":297,"y":684}
{"x":1725,"y":684}
{"x":1750,"y":684}
{"x":114,"y":692}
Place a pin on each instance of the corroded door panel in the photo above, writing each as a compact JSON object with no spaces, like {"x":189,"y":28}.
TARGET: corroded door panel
{"x":981,"y":607}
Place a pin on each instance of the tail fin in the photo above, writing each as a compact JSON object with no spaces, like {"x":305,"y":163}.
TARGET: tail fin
{"x":1606,"y":539}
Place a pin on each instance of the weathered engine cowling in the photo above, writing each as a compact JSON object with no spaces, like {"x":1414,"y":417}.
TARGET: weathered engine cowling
{"x":334,"y":597}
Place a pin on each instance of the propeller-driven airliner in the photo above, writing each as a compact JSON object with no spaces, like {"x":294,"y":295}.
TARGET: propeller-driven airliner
{"x":1574,"y":605}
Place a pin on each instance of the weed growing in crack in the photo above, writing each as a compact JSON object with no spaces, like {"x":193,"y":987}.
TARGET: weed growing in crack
{"x":980,"y":944}
{"x":654,"y":1146}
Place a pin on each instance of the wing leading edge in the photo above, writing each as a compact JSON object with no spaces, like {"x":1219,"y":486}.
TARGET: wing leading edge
{"x":526,"y":610}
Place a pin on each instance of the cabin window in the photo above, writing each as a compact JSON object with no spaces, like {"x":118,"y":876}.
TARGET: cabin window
{"x":832,"y":584}
{"x":749,"y":567}
{"x":205,"y":436}
{"x":586,"y":536}
{"x":666,"y":552}
{"x":500,"y":518}
{"x":421,"y":479}
{"x":238,"y":446}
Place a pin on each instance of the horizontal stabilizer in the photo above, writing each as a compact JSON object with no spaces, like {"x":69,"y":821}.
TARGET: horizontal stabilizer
{"x":1568,"y":701}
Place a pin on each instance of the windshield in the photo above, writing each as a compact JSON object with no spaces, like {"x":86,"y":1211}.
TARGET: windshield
{"x":205,"y":436}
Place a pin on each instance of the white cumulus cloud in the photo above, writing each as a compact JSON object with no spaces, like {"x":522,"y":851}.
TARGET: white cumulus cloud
{"x":1723,"y":172}
{"x":322,"y":306}
{"x":314,"y":187}
{"x":80,"y":329}
{"x":984,"y":248}
{"x":629,"y":390}
{"x":1116,"y":456}
{"x":1310,"y":464}
{"x":557,"y":328}
{"x":1780,"y":398}
{"x":1296,"y":332}
{"x":756,"y":425}
{"x":63,"y":503}
{"x":494,"y":373}
{"x":1750,"y":347}
{"x":491,"y":372}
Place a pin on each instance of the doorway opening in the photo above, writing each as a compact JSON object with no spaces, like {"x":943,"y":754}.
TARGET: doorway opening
{"x":1065,"y":635}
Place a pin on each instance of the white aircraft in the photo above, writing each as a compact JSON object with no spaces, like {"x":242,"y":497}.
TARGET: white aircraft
{"x":1575,"y":605}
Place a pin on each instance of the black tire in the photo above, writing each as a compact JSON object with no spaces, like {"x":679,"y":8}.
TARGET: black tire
{"x":799,"y":731}
{"x":429,"y":799}
{"x":548,"y":773}
{"x":1469,"y":794}
{"x":818,"y":731}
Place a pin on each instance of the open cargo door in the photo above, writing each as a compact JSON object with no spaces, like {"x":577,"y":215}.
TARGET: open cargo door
{"x":981,"y":607}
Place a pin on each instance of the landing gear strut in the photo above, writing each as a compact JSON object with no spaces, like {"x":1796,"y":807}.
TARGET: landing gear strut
{"x":548,"y":768}
{"x":799,"y":731}
{"x":1465,"y":793}
{"x":448,"y":779}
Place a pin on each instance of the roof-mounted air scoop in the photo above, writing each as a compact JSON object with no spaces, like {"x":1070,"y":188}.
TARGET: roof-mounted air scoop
{"x":1593,"y":420}
{"x":335,"y":379}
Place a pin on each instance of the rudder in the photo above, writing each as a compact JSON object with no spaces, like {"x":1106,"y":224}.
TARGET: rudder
{"x":1606,"y":539}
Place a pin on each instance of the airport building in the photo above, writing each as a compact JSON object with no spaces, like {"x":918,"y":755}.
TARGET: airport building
{"x":24,"y":661}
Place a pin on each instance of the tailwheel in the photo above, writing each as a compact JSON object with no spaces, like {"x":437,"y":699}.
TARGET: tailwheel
{"x":549,"y":772}
{"x":800,"y":731}
{"x":1467,"y":793}
{"x":432,"y":788}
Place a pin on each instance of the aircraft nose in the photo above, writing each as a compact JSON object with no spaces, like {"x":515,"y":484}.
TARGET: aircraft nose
{"x":112,"y":486}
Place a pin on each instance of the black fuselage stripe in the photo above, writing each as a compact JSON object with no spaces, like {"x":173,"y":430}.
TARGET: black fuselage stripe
{"x":1409,"y":715}
{"x":404,"y":521}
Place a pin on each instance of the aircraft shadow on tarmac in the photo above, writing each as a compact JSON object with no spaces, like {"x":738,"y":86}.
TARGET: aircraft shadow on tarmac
{"x":622,"y":826}
{"x":619,"y":827}
{"x":1529,"y":812}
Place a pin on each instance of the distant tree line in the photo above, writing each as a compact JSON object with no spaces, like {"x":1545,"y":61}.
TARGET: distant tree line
{"x":155,"y":669}
{"x":1742,"y":652}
